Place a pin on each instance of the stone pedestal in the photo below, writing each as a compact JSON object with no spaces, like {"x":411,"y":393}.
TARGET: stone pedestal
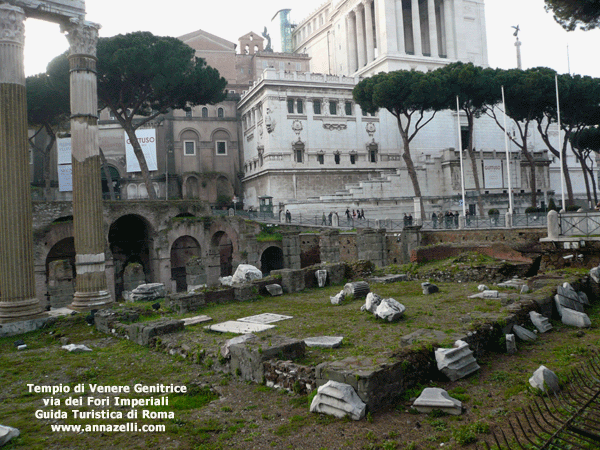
{"x":17,"y":279}
{"x":91,"y":288}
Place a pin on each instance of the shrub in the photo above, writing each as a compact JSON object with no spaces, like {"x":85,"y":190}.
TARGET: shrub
{"x":493,"y":212}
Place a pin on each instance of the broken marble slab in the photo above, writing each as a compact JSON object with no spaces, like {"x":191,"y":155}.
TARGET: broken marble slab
{"x":583,"y":298}
{"x":511,"y":344}
{"x":524,"y":334}
{"x":321,"y":277}
{"x":566,"y":297}
{"x":7,"y":433}
{"x":482,"y":287}
{"x":372,"y":302}
{"x":189,"y":321}
{"x":545,"y":380}
{"x":265,"y":318}
{"x":489,"y":294}
{"x":436,"y":398}
{"x":338,"y":400}
{"x":429,"y":288}
{"x":457,"y":362}
{"x":540,"y":322}
{"x":515,"y":283}
{"x":274,"y":289}
{"x":390,"y":310}
{"x":390,"y":279}
{"x":77,"y":348}
{"x":338,"y":298}
{"x":595,"y":274}
{"x":324,"y":341}
{"x":575,"y":318}
{"x":225,"y":352}
{"x":232,"y":326}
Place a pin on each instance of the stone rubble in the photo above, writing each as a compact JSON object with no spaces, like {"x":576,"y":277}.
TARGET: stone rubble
{"x":338,"y":298}
{"x":324,"y":341}
{"x":226,"y":281}
{"x":147,"y":292}
{"x":246,"y":273}
{"x":436,"y":398}
{"x":274,"y":289}
{"x":371,"y":302}
{"x":429,"y":288}
{"x":540,"y":322}
{"x":511,"y":344}
{"x":390,"y":310}
{"x":457,"y":362}
{"x":358,"y":289}
{"x":321,"y":276}
{"x":545,"y":380}
{"x":189,"y":321}
{"x":77,"y":348}
{"x":7,"y":433}
{"x":225,"y":348}
{"x":595,"y":274}
{"x":338,"y":400}
{"x":482,"y":287}
{"x":575,"y":318}
{"x":524,"y":334}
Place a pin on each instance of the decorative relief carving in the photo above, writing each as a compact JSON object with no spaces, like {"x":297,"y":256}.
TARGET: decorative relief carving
{"x":12,"y":24}
{"x":371,"y":130}
{"x":269,"y":121}
{"x":335,"y":126}
{"x":297,"y":127}
{"x":82,"y":37}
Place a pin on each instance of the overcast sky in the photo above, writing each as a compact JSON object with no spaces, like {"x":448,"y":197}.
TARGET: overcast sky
{"x":544,"y":41}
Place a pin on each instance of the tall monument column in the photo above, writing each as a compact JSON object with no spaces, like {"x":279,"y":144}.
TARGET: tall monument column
{"x":449,"y":29}
{"x":360,"y":36}
{"x":369,"y":31}
{"x":17,"y":282}
{"x":91,"y":288}
{"x":416,"y":23}
{"x":432,"y":22}
{"x":352,"y":56}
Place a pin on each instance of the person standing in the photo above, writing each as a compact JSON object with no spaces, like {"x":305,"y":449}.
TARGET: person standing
{"x":434,"y":219}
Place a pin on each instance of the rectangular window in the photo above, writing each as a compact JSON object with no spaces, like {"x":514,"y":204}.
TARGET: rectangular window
{"x":189,"y":148}
{"x":317,"y":106}
{"x":290,"y":104}
{"x":188,"y":113}
{"x":298,"y":154}
{"x":352,"y":159}
{"x":299,"y":107}
{"x":321,"y":158}
{"x":373,"y":156}
{"x":464,"y":136}
{"x":333,"y":108}
{"x":221,"y":147}
{"x":337,"y":158}
{"x":348,"y":108}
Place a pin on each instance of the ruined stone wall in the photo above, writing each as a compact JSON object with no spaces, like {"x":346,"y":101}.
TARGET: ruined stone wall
{"x":310,"y":249}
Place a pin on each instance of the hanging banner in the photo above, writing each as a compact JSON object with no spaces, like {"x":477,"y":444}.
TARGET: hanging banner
{"x":65,"y":178}
{"x":147,"y":140}
{"x":492,"y":173}
{"x":63,"y":146}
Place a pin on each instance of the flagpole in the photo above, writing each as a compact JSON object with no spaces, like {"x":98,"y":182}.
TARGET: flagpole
{"x":510,"y":200}
{"x":562,"y":167}
{"x":462,"y":169}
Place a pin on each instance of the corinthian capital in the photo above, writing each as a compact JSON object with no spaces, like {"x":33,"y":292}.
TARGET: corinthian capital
{"x":12,"y":24}
{"x":82,"y":36}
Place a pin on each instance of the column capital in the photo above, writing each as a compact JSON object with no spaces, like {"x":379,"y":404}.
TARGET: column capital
{"x":12,"y":24}
{"x":82,"y":36}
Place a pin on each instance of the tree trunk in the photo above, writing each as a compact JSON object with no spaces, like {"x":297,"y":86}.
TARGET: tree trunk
{"x":532,"y":181}
{"x":412,"y":173}
{"x":474,"y":164}
{"x":139,"y":154}
{"x":109,"y":181}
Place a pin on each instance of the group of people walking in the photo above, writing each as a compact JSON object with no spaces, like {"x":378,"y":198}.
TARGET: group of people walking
{"x":448,"y":219}
{"x":356,"y":214}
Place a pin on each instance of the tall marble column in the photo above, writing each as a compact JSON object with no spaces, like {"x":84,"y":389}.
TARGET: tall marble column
{"x":352,"y":56}
{"x":400,"y":27}
{"x":432,"y":23}
{"x":369,"y":31}
{"x":416,"y":24}
{"x":91,"y":289}
{"x":360,"y":36}
{"x":17,"y":277}
{"x":449,"y":29}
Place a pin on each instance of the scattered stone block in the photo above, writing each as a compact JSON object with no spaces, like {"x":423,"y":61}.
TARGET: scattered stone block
{"x":545,"y":380}
{"x":540,"y":322}
{"x":524,"y":334}
{"x":196,"y":320}
{"x":511,"y":344}
{"x":515,"y":283}
{"x":324,"y":341}
{"x":524,"y":289}
{"x":143,"y":333}
{"x":185,"y":302}
{"x":457,"y":362}
{"x":436,"y":398}
{"x":274,"y":289}
{"x":338,"y":298}
{"x":338,"y":400}
{"x":147,"y":292}
{"x":583,"y":298}
{"x":490,"y":294}
{"x":265,"y":318}
{"x":390,"y":278}
{"x":575,"y":318}
{"x":77,"y":348}
{"x":358,"y":289}
{"x":482,"y":287}
{"x":245,"y":273}
{"x":226,"y":281}
{"x":225,"y":352}
{"x":595,"y":274}
{"x":567,"y":298}
{"x":390,"y":310}
{"x":232,"y":326}
{"x":429,"y":288}
{"x":22,"y":347}
{"x":372,"y":302}
{"x":321,"y":276}
{"x":7,"y":433}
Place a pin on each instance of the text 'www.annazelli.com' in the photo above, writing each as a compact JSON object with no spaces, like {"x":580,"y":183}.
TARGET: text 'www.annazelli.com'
{"x":129,"y":427}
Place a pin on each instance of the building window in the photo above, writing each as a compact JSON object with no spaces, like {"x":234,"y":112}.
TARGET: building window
{"x":189,"y":148}
{"x":221,"y":147}
{"x":205,"y":112}
{"x":373,"y":155}
{"x":348,"y":108}
{"x":188,"y":114}
{"x":352,"y":158}
{"x":333,"y":108}
{"x":299,"y":153}
{"x":220,"y":112}
{"x":321,"y":158}
{"x":299,"y":107}
{"x":337,"y":158}
{"x":317,"y":106}
{"x":464,"y":136}
{"x":290,"y":104}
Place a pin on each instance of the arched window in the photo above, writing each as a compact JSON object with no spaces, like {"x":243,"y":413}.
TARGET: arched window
{"x":220,"y":112}
{"x":205,"y":112}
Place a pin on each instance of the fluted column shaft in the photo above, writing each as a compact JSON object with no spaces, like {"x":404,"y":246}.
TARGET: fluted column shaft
{"x":432,"y":22}
{"x":352,"y":56}
{"x":400,"y":27}
{"x":360,"y":36}
{"x":449,"y":29}
{"x":416,"y":23}
{"x":17,"y":282}
{"x":369,"y":31}
{"x":91,"y":288}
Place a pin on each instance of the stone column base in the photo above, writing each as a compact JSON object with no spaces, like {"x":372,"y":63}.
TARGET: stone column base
{"x":86,"y":301}
{"x":20,"y":310}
